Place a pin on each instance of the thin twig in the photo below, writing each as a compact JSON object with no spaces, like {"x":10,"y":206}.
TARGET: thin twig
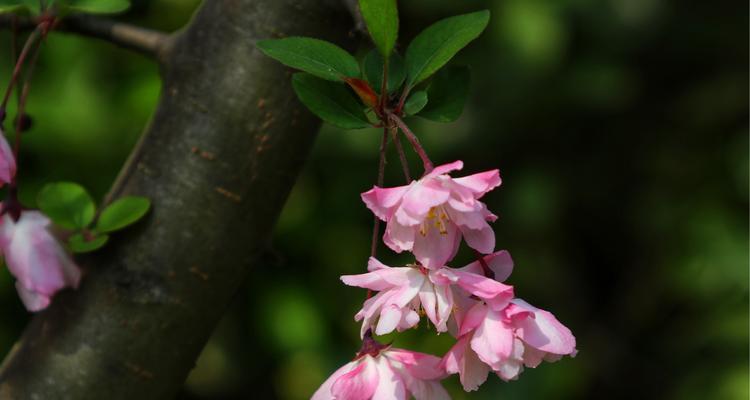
{"x":146,"y":41}
{"x":24,"y":94}
{"x":32,"y":39}
{"x":414,"y":142}
{"x":381,"y":178}
{"x":401,"y":154}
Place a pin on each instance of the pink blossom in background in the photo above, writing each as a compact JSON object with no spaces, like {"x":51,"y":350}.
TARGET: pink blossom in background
{"x":36,"y":259}
{"x":429,"y":216}
{"x":7,"y":161}
{"x":504,"y":341}
{"x":404,"y":291}
{"x":386,"y":374}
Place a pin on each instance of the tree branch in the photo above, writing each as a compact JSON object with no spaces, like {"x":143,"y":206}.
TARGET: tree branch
{"x":152,"y":297}
{"x":146,"y":41}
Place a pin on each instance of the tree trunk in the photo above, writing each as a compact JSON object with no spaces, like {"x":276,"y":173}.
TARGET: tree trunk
{"x":218,"y":161}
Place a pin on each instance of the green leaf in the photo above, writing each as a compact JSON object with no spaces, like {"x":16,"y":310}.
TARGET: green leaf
{"x":67,"y":204}
{"x":94,"y":6}
{"x":415,"y":103}
{"x":381,"y":17}
{"x":122,"y":212}
{"x":372,"y":67}
{"x":79,"y":244}
{"x":447,"y":92}
{"x":437,"y":44}
{"x":23,"y":7}
{"x":317,"y":57}
{"x":330,"y":101}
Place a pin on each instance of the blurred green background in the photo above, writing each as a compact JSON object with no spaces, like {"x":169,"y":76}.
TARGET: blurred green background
{"x":620,"y":128}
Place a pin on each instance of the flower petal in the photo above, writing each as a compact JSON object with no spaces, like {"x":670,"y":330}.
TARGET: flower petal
{"x":544,"y":331}
{"x":445,"y":168}
{"x":324,"y":391}
{"x":383,"y":201}
{"x":33,"y":301}
{"x":428,"y":299}
{"x":358,"y":384}
{"x":481,"y":240}
{"x":399,"y":237}
{"x":493,"y":340}
{"x":7,"y":161}
{"x":35,"y":257}
{"x":409,"y":319}
{"x":461,"y":359}
{"x":513,"y":366}
{"x":389,"y":319}
{"x":481,"y":182}
{"x":420,"y":199}
{"x":495,"y":294}
{"x":426,"y":390}
{"x":390,"y":385}
{"x":435,"y":249}
{"x":499,"y":262}
{"x":381,"y":279}
{"x":419,"y":365}
{"x":473,"y":318}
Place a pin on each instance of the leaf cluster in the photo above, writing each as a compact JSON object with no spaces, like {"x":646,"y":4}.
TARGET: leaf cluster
{"x":351,"y":94}
{"x":71,"y":207}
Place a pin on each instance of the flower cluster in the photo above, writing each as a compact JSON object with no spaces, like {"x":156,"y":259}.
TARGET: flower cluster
{"x":494,"y":330}
{"x":32,"y":252}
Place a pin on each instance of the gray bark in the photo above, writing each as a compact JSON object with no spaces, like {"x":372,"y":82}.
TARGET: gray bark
{"x":218,"y":160}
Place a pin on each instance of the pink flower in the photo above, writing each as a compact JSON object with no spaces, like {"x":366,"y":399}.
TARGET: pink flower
{"x":404,"y":291}
{"x":7,"y":161}
{"x":504,"y":341}
{"x":387,"y":374}
{"x":36,"y":259}
{"x":428,"y":217}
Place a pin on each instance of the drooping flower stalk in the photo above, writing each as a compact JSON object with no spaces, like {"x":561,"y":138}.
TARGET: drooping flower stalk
{"x":429,"y":217}
{"x":381,"y":175}
{"x":427,"y":163}
{"x":31,"y":42}
{"x":401,"y":154}
{"x":21,"y":117}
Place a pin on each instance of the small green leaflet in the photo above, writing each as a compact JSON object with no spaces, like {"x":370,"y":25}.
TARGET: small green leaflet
{"x":381,"y":18}
{"x":78,"y":243}
{"x":317,"y":57}
{"x":67,"y":204}
{"x":122,"y":212}
{"x":447,"y":92}
{"x":415,"y":103}
{"x":372,"y":67}
{"x":330,"y":101}
{"x":437,"y":44}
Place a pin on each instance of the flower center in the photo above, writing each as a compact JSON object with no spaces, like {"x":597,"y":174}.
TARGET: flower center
{"x":437,"y":218}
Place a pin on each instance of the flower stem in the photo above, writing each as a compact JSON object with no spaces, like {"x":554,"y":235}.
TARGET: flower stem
{"x":27,"y":47}
{"x":384,"y":86}
{"x":401,"y":155}
{"x":402,"y":100}
{"x":381,"y":177}
{"x":414,"y":142}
